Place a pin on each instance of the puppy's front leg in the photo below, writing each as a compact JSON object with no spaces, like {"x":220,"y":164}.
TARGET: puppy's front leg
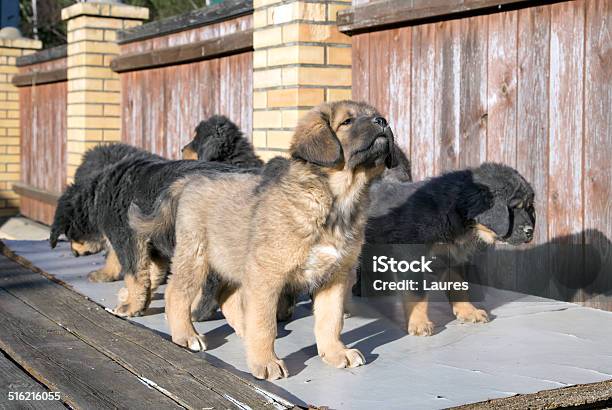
{"x":415,"y":311}
{"x":110,"y":272}
{"x":329,"y":319}
{"x":260,"y":303}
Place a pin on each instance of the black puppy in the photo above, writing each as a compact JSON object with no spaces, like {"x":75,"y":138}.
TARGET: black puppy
{"x":219,"y":139}
{"x":100,"y":208}
{"x":466,"y":210}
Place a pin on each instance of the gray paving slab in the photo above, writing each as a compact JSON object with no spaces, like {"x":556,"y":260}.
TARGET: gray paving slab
{"x":532,"y":344}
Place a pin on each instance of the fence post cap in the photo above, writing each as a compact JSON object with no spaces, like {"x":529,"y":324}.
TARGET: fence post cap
{"x":105,"y":8}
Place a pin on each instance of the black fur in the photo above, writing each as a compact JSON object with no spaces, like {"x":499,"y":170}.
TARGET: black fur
{"x":219,"y":139}
{"x":97,"y":158}
{"x":447,"y":208}
{"x":112,"y":177}
{"x":94,"y":161}
{"x":101,"y":206}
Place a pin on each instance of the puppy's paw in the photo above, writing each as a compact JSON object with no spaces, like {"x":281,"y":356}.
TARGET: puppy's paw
{"x":344,"y":358}
{"x":127,"y":310}
{"x":128,"y":307}
{"x":194,"y":342}
{"x":271,"y":370}
{"x":471,"y":315}
{"x":420,"y":327}
{"x":99,"y":276}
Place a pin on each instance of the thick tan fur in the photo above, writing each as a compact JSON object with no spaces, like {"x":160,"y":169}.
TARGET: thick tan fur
{"x":303,"y":228}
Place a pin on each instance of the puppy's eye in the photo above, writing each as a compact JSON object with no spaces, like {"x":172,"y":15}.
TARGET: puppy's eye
{"x":348,"y":121}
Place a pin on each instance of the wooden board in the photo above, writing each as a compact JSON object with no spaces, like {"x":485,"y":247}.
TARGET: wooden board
{"x":181,"y":375}
{"x":532,"y":136}
{"x":40,"y":77}
{"x":598,"y":151}
{"x":15,"y":380}
{"x":447,"y":96}
{"x":382,"y":14}
{"x":473,"y":97}
{"x":423,"y":143}
{"x":213,"y":48}
{"x":565,"y":196}
{"x":84,"y":377}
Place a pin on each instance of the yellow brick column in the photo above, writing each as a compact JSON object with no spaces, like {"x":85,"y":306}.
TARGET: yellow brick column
{"x":300,"y":60}
{"x":10,"y":49}
{"x":93,"y":88}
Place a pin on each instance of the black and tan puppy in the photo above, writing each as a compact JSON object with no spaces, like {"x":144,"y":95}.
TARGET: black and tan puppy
{"x":95,"y":161}
{"x":219,"y":139}
{"x":302,"y":226}
{"x":216,"y":139}
{"x":465,"y":210}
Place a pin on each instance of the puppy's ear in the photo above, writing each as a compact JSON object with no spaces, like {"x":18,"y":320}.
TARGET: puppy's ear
{"x":496,"y":218}
{"x":314,"y":140}
{"x":58,"y":227}
{"x":392,"y":160}
{"x":476,"y":202}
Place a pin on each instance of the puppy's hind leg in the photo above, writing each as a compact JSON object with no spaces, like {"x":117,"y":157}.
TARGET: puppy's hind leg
{"x":134,"y":255}
{"x":329,"y":320}
{"x":189,"y":271}
{"x":463,"y":309}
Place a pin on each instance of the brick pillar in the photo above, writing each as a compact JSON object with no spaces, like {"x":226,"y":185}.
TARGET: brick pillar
{"x":93,"y":88}
{"x":10,"y":49}
{"x":300,"y":60}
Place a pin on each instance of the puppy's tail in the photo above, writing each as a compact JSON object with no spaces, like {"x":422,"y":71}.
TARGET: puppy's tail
{"x":157,"y":228}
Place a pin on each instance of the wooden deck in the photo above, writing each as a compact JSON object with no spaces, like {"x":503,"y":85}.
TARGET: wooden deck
{"x":54,"y":339}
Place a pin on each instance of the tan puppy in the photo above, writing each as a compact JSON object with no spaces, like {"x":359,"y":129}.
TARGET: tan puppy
{"x":299,"y":224}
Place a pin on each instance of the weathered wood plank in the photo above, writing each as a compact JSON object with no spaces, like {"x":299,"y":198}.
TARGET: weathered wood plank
{"x":400,"y":73}
{"x":473,"y":99}
{"x":532,"y":136}
{"x":42,"y":56}
{"x":226,"y":10}
{"x":598,"y":149}
{"x":565,"y":202}
{"x":41,"y":195}
{"x":447,"y":95}
{"x":381,"y":14}
{"x":502,"y":88}
{"x":594,"y":395}
{"x":13,"y":379}
{"x":216,"y":47}
{"x":40,"y":77}
{"x":379,"y":73}
{"x":422,"y":96}
{"x":361,"y":67}
{"x":85,"y":377}
{"x":189,"y":379}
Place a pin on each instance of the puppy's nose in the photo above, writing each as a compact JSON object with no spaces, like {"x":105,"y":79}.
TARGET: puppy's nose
{"x":380,"y":121}
{"x":528,"y":231}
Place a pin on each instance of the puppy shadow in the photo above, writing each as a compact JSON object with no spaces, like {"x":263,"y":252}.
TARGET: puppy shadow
{"x":218,"y":336}
{"x":151,"y":311}
{"x":264,"y":384}
{"x":366,"y":339}
{"x":157,"y":296}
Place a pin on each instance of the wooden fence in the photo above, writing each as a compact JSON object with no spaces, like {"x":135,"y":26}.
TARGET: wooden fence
{"x":530,"y":87}
{"x":42,"y":102}
{"x":176,"y":72}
